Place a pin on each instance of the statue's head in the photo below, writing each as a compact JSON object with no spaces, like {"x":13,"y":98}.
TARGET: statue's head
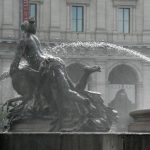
{"x":32,"y":20}
{"x":29,"y":26}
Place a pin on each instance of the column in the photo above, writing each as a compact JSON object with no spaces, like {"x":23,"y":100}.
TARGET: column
{"x":55,"y":19}
{"x":68,"y":28}
{"x":115,"y":19}
{"x":101,"y":15}
{"x":138,"y":95}
{"x":146,"y":19}
{"x":8,"y":19}
{"x":1,"y":12}
{"x":44,"y":16}
{"x":146,"y":15}
{"x":146,"y":86}
{"x":133,"y":20}
{"x":8,"y":12}
{"x":87,"y":18}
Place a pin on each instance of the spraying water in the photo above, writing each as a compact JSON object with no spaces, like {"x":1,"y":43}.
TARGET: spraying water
{"x":4,"y":75}
{"x":62,"y":48}
{"x":108,"y":46}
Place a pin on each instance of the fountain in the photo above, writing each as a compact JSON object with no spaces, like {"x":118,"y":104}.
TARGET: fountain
{"x":48,"y":98}
{"x":49,"y":101}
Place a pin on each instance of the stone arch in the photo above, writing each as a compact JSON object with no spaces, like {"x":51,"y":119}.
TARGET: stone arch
{"x":126,"y":74}
{"x":133,"y":66}
{"x":76,"y":61}
{"x":123,"y":74}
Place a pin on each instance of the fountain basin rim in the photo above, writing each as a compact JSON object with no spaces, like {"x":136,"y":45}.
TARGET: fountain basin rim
{"x":74,"y":133}
{"x":140,"y":112}
{"x":142,"y":115}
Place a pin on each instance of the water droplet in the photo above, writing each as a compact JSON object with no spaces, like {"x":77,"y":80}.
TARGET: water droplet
{"x":65,"y":47}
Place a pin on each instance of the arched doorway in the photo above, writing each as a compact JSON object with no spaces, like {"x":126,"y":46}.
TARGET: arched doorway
{"x":75,"y":71}
{"x":122,"y":93}
{"x":123,"y":76}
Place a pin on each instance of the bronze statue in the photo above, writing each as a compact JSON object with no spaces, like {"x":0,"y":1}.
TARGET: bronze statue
{"x":46,"y":90}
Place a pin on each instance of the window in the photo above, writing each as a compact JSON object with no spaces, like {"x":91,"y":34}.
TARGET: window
{"x":124,"y":20}
{"x":33,"y":11}
{"x":77,"y":18}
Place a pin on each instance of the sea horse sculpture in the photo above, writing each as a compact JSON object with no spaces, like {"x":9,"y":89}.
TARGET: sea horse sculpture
{"x":47,"y":91}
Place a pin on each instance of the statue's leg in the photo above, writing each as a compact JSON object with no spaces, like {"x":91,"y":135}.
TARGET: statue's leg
{"x":80,"y":86}
{"x":65,"y":92}
{"x":31,"y":73}
{"x":64,"y":87}
{"x":24,"y":83}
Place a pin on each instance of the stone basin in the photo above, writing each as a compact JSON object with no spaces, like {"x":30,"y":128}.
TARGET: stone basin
{"x":141,"y":121}
{"x":141,"y":115}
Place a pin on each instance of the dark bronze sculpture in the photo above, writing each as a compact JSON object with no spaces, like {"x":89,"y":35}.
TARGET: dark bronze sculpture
{"x":47,"y":91}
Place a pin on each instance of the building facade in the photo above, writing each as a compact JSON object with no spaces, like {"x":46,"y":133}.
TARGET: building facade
{"x":122,"y":22}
